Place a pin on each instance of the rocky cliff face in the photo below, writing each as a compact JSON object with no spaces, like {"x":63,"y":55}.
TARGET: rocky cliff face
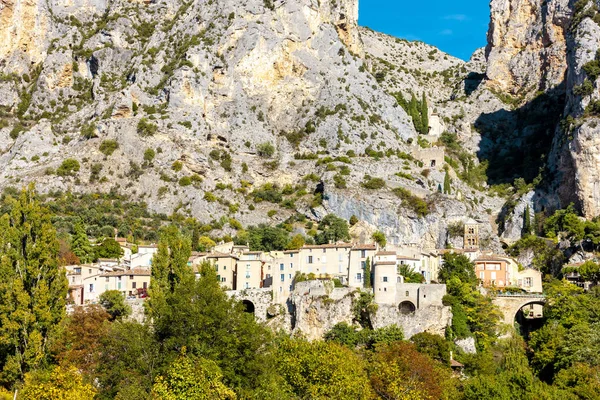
{"x":527,"y":45}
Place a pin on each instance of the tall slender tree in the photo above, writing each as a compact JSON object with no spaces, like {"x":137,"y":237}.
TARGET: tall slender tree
{"x":80,"y":245}
{"x":447,"y":188}
{"x":33,"y":287}
{"x":527,"y":221}
{"x":424,"y":116}
{"x":368,"y":273}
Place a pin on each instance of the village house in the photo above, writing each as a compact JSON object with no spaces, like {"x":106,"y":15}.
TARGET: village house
{"x":249,"y":274}
{"x":495,"y":271}
{"x":225,"y":264}
{"x":81,"y":281}
{"x":357,"y":263}
{"x":385,"y":276}
{"x":131,"y":283}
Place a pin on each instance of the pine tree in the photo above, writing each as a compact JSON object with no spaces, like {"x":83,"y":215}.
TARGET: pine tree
{"x":33,"y":287}
{"x":424,"y":116}
{"x":368,"y":273}
{"x":447,"y":188}
{"x":80,"y":245}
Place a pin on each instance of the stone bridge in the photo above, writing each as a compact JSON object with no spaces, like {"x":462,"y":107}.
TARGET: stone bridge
{"x":256,"y":301}
{"x":510,"y":304}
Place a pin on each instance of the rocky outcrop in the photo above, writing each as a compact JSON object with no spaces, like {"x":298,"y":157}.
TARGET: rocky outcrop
{"x":527,"y":45}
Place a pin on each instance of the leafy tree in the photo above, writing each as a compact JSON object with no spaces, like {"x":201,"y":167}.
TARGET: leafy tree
{"x":333,"y":229}
{"x":296,"y":242}
{"x":109,"y":248}
{"x":267,"y":238}
{"x":322,"y":370}
{"x":57,"y":384}
{"x":149,"y":155}
{"x":432,"y":345}
{"x":379,"y":238}
{"x":399,"y":371}
{"x":192,"y":378}
{"x":205,"y":243}
{"x":113,"y":302}
{"x":457,"y":266}
{"x":353,"y":220}
{"x":409,"y":275}
{"x":590,"y":272}
{"x":81,"y":342}
{"x":33,"y":287}
{"x":80,"y":245}
{"x":367,"y":273}
{"x":265,"y":150}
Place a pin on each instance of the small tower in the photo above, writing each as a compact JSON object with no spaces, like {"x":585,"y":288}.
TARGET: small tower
{"x":471,"y":235}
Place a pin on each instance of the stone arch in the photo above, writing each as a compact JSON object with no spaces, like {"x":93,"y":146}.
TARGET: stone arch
{"x":407,"y":307}
{"x":523,"y":304}
{"x":248,"y":306}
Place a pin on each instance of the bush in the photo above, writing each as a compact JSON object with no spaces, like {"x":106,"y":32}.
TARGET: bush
{"x":185,"y":181}
{"x":68,"y":167}
{"x":146,"y":128}
{"x":265,"y":150}
{"x":107,"y":147}
{"x":339,"y":181}
{"x":177,"y":166}
{"x":373,"y":183}
{"x":149,"y":155}
{"x":412,"y":202}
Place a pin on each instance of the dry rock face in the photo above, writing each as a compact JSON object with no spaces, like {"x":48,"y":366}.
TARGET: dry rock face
{"x":527,"y":45}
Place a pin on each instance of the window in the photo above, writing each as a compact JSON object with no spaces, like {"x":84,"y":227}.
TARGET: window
{"x":119,"y":285}
{"x":133,"y":285}
{"x":291,"y":265}
{"x":247,"y":267}
{"x":130,"y":276}
{"x":145,"y":285}
{"x":223,"y":279}
{"x":289,"y":276}
{"x":359,"y":277}
{"x":309,"y":259}
{"x":105,"y":287}
{"x":281,"y":267}
{"x":291,"y":255}
{"x":77,"y":270}
{"x":90,"y":271}
{"x":282,"y":277}
{"x":528,"y":282}
{"x":493,"y":275}
{"x":340,"y":268}
{"x":385,"y":279}
{"x":247,"y":285}
{"x":324,"y":250}
{"x":481,"y":275}
{"x":363,"y":253}
{"x":247,"y":275}
{"x":407,"y":293}
{"x":433,"y":163}
{"x":107,"y":279}
{"x":119,"y":278}
{"x":340,"y":257}
{"x":363,"y":264}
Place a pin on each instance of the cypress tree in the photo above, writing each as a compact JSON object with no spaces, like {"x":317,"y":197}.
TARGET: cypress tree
{"x":33,"y":287}
{"x":368,"y":273}
{"x":413,"y":111}
{"x":80,"y":245}
{"x":447,"y":188}
{"x":527,"y":221}
{"x":424,"y":116}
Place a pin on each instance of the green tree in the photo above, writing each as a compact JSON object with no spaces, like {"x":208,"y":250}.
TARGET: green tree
{"x":322,"y":370}
{"x":353,"y":220}
{"x":68,"y":167}
{"x":367,"y":273}
{"x":149,"y":155}
{"x":409,"y":275}
{"x":457,"y":266}
{"x":379,"y":238}
{"x":527,"y":226}
{"x":333,"y":229}
{"x":424,"y":116}
{"x":33,"y":287}
{"x":57,"y":384}
{"x":113,"y":302}
{"x":109,"y":248}
{"x":192,"y":378}
{"x":80,"y":245}
{"x":296,"y":242}
{"x":433,"y":345}
{"x":447,"y":183}
{"x":414,"y":112}
{"x":267,"y":238}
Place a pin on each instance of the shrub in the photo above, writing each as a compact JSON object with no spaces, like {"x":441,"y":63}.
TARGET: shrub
{"x":412,"y":202}
{"x":107,"y":147}
{"x":373,"y":183}
{"x":68,"y":167}
{"x":265,"y":149}
{"x":146,"y":128}
{"x":88,"y":131}
{"x":149,"y":155}
{"x":211,"y":198}
{"x":339,"y":181}
{"x":185,"y":181}
{"x":177,"y":166}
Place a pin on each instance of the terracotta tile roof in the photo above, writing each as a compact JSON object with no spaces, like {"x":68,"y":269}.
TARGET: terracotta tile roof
{"x":108,"y":260}
{"x":385,"y":253}
{"x":385,"y":262}
{"x":252,"y":252}
{"x":221,"y":255}
{"x":328,"y":246}
{"x":134,"y":271}
{"x":402,"y":257}
{"x":364,"y":247}
{"x":492,"y":257}
{"x":455,"y":364}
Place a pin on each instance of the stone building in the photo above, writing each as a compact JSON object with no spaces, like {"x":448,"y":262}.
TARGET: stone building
{"x":471,"y":241}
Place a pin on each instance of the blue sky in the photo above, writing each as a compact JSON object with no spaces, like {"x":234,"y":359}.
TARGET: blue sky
{"x":457,"y":27}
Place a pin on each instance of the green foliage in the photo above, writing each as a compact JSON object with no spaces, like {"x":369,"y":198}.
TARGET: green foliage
{"x":33,"y":288}
{"x":447,"y":183}
{"x":80,"y":245}
{"x":265,"y":150}
{"x":379,"y":238}
{"x":409,"y":275}
{"x":353,"y":220}
{"x":457,"y":266}
{"x":432,"y":345}
{"x":149,"y":155}
{"x":412,"y":202}
{"x":417,"y":110}
{"x":333,"y":229}
{"x":322,"y":370}
{"x":177,"y":166}
{"x":69,"y":167}
{"x":56,"y":384}
{"x":191,"y":377}
{"x":373,"y":183}
{"x":113,"y":302}
{"x":109,"y":248}
{"x":267,"y":238}
{"x":107,"y":147}
{"x":146,"y":128}
{"x":346,"y":335}
{"x":547,"y":257}
{"x":367,"y":272}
